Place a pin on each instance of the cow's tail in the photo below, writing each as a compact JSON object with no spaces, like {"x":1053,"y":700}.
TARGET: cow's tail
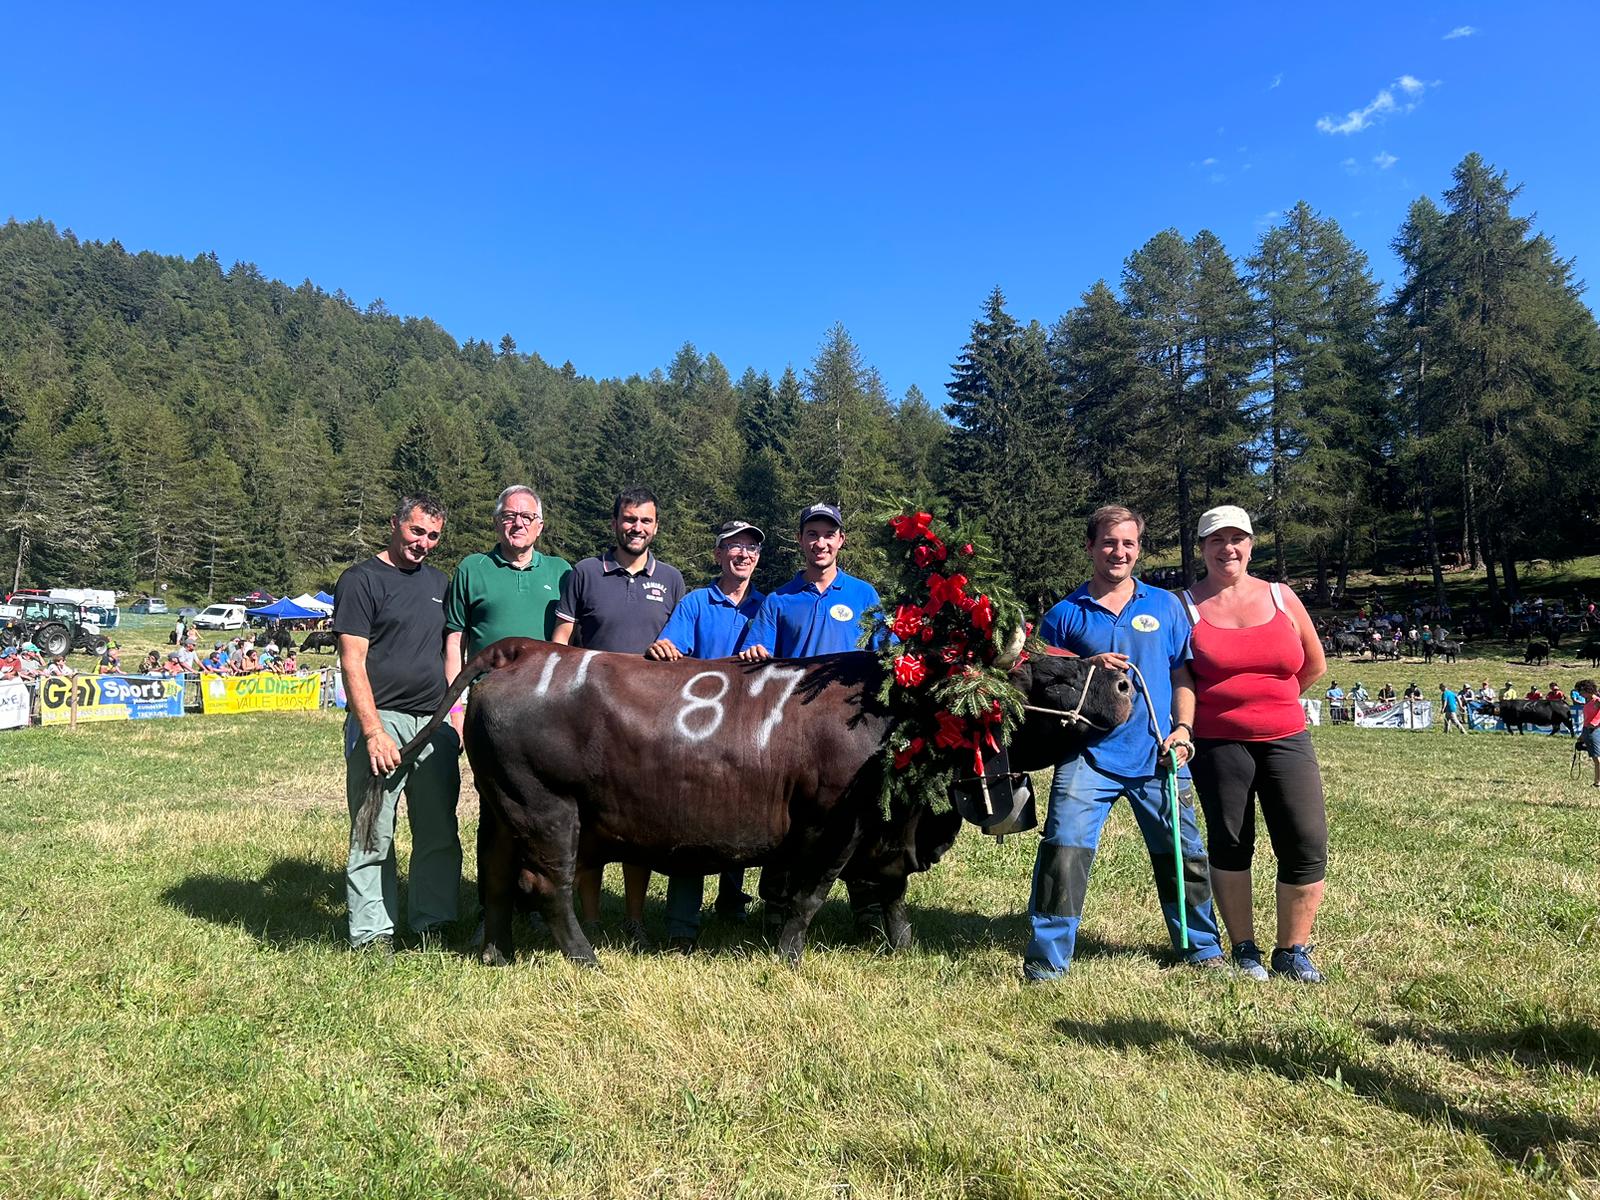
{"x":491,"y":658}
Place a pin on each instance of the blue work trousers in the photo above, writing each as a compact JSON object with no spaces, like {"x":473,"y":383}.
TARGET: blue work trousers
{"x":1080,"y":801}
{"x":686,"y":894}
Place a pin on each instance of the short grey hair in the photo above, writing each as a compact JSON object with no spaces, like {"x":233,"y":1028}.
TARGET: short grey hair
{"x":430,"y":505}
{"x":517,"y":489}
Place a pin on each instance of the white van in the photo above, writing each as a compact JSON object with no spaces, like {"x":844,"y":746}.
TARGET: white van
{"x":221,"y":616}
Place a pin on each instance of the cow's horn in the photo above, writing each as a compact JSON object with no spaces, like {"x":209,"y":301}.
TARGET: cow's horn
{"x":1009,"y":652}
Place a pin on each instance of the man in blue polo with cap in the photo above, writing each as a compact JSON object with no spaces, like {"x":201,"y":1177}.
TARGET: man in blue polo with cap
{"x":819,"y":610}
{"x":708,"y":623}
{"x":1112,"y":621}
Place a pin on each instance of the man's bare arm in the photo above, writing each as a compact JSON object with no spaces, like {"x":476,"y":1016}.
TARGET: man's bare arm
{"x":383,"y":755}
{"x":562,"y":634}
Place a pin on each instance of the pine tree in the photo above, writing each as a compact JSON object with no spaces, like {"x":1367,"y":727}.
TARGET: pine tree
{"x":1008,"y":454}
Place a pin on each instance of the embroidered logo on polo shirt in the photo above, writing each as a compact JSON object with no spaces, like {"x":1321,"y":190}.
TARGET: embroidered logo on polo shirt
{"x":841,"y":612}
{"x":655,"y":590}
{"x":1145,"y":623}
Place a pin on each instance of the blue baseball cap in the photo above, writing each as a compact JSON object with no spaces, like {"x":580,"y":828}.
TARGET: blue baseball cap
{"x":831,"y":511}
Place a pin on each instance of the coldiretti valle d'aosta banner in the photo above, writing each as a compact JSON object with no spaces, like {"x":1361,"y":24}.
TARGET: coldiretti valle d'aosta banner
{"x":109,"y":698}
{"x":259,"y":693}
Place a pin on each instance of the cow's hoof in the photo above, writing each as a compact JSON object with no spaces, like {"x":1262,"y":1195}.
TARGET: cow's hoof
{"x":490,"y":956}
{"x":898,"y":936}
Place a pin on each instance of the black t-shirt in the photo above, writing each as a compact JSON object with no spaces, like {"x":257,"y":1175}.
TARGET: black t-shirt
{"x":401,"y":614}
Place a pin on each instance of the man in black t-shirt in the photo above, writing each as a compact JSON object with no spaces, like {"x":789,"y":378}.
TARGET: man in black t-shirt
{"x":389,"y":617}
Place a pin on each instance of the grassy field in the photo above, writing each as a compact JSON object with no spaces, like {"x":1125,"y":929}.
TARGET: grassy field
{"x":179,"y":1016}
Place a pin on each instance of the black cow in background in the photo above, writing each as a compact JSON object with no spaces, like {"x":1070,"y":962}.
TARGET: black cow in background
{"x":1536,"y":653}
{"x":1518,"y":713}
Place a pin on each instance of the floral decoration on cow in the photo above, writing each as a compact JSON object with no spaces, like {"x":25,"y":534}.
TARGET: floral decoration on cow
{"x":946,"y":676}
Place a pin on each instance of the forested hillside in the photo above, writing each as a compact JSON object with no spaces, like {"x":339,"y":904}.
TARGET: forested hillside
{"x":169,"y":420}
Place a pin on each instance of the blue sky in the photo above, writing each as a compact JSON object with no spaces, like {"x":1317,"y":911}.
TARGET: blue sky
{"x":607,"y":182}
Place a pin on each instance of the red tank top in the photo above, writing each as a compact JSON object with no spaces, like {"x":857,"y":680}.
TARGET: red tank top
{"x":1244,"y":679}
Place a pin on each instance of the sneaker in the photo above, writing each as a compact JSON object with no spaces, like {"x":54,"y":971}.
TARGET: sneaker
{"x":1295,"y":963}
{"x":1247,"y":961}
{"x":633,"y":929}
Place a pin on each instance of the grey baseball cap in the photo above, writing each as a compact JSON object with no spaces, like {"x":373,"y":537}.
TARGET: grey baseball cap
{"x":728,"y":528}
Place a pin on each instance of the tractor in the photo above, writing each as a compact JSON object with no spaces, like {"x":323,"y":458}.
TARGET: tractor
{"x":57,"y":627}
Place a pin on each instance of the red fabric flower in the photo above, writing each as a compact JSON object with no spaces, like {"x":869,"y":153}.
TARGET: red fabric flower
{"x":942,"y":590}
{"x":926,"y":633}
{"x":968,"y":550}
{"x":924,"y":556}
{"x":983,"y":614}
{"x":910,"y":670}
{"x":952,"y":733}
{"x":903,"y":758}
{"x":952,"y":653}
{"x":907,"y":621}
{"x":909,"y":529}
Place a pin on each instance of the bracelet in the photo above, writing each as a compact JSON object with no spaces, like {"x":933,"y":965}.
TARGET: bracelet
{"x":1183,"y":725}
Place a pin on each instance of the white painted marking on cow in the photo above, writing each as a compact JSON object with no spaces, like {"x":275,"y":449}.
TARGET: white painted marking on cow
{"x":549,"y":669}
{"x":697,"y":703}
{"x":791,"y":677}
{"x":582,"y":672}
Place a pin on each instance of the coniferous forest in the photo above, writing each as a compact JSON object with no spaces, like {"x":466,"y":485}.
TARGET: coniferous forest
{"x":175,"y":421}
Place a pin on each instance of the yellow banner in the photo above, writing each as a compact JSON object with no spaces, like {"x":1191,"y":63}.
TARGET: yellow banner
{"x":109,"y":698}
{"x":259,"y":693}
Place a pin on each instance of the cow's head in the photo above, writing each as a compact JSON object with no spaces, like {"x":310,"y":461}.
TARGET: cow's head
{"x":1084,"y":702}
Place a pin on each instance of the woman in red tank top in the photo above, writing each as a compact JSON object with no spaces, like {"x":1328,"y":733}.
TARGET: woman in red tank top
{"x":1255,"y":651}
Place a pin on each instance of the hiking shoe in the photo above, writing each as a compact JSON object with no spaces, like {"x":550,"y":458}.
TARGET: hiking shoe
{"x":1295,"y":963}
{"x":633,"y":929}
{"x":382,"y":946}
{"x":1247,"y":961}
{"x":681,"y":945}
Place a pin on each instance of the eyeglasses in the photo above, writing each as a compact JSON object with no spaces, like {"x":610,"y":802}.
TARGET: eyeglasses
{"x":520,"y":518}
{"x":743,"y":551}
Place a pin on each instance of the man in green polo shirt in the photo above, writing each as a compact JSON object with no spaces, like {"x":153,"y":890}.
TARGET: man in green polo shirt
{"x":509,"y":592}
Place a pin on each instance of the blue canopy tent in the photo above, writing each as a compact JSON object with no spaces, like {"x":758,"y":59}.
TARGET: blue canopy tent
{"x":324,"y":597}
{"x":285,"y":610}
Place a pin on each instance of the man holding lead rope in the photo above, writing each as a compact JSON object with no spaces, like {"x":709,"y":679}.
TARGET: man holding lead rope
{"x":1116,"y":622}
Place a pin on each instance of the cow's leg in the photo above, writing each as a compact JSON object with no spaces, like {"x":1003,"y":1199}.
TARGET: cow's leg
{"x":811,"y":877}
{"x":496,"y":875}
{"x":880,"y":908}
{"x":774,"y":891}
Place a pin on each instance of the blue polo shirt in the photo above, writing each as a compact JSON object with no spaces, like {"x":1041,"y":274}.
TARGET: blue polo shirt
{"x":706,"y":624}
{"x":799,"y":621}
{"x":1153,"y":631}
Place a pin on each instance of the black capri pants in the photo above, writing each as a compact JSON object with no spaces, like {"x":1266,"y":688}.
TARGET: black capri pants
{"x":1230,"y":775}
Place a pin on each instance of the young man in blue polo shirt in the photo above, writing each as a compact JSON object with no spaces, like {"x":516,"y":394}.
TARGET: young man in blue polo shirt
{"x":1114,"y":620}
{"x":819,"y":610}
{"x":708,"y":623}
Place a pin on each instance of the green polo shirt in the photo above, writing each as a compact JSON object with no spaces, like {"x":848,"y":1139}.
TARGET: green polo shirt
{"x":489,"y":599}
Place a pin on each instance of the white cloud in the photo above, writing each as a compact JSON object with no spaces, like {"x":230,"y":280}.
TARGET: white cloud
{"x":1460,"y":31}
{"x":1351,"y":166}
{"x":1217,"y":177}
{"x":1276,"y":80}
{"x":1383,"y":160}
{"x":1208,"y":162}
{"x":1383,"y":105}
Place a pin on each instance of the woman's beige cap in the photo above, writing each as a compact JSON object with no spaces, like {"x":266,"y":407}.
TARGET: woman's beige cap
{"x":1224,"y":516}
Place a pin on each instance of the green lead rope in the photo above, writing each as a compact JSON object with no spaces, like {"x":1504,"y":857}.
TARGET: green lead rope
{"x":1169,"y":784}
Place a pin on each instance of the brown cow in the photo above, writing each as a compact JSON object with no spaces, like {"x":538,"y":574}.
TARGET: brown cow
{"x":583,"y":758}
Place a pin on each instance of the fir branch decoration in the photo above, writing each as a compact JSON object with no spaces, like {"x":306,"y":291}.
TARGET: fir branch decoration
{"x":951,"y":618}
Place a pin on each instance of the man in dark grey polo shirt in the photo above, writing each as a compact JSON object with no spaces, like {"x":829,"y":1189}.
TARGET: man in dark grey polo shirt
{"x":620,"y":601}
